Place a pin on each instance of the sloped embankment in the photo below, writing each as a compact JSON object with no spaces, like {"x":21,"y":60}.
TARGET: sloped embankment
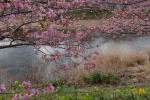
{"x":130,"y":60}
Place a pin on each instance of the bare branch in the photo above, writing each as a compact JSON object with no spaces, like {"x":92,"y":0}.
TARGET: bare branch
{"x":16,"y":45}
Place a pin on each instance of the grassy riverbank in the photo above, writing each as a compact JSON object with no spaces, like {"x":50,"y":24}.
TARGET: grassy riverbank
{"x":91,"y":93}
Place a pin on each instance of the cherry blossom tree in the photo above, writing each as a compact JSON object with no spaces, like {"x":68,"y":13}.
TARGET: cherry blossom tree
{"x":133,"y":18}
{"x":47,"y":22}
{"x":50,"y":23}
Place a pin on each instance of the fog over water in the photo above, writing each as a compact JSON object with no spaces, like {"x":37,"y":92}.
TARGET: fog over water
{"x":17,"y":63}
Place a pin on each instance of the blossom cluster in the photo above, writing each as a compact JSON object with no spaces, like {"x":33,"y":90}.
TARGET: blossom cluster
{"x":47,"y":22}
{"x":27,"y":90}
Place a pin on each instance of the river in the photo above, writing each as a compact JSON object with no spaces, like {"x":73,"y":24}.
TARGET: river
{"x":19,"y":63}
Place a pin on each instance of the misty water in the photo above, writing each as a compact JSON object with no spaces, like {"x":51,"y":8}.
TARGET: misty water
{"x":18,"y":63}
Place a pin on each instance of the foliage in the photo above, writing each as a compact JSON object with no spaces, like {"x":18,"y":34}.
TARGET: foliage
{"x":92,"y":93}
{"x":58,"y":83}
{"x":99,"y":78}
{"x":86,"y":14}
{"x":36,"y":23}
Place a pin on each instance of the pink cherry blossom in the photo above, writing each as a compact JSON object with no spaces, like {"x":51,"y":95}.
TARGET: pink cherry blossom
{"x":49,"y":88}
{"x":88,"y":65}
{"x":24,"y":97}
{"x":2,"y":88}
{"x":26,"y":84}
{"x":34,"y":92}
{"x":15,"y":97}
{"x":23,"y":20}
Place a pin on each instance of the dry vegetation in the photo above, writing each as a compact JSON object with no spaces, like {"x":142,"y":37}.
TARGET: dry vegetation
{"x":131,"y":66}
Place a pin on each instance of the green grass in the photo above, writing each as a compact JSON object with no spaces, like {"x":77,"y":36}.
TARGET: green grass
{"x":95,"y":89}
{"x":101,"y":93}
{"x":93,"y":93}
{"x":99,"y":78}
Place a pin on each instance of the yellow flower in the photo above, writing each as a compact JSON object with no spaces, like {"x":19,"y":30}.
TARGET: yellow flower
{"x":141,"y":91}
{"x":43,"y":24}
{"x":20,"y":85}
{"x":16,"y":82}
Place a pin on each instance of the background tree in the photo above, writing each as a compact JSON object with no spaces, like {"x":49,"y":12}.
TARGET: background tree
{"x":49,"y":22}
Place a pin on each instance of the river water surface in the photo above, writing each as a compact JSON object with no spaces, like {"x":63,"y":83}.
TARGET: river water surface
{"x":18,"y":63}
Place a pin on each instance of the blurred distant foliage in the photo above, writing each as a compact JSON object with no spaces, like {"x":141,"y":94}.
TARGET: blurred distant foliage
{"x":149,"y":10}
{"x":90,"y":13}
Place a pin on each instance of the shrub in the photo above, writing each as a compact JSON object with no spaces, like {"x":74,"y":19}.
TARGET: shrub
{"x":110,"y":79}
{"x":58,"y":83}
{"x":94,"y":77}
{"x":97,"y":77}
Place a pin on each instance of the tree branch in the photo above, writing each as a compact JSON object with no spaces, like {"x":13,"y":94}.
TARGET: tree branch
{"x":15,"y":13}
{"x":16,"y":45}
